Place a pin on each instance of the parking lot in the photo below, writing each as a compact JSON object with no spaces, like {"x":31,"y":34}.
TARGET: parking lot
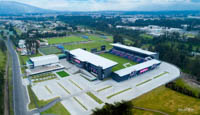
{"x":73,"y":90}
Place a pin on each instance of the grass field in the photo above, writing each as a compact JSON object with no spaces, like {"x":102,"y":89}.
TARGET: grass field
{"x":89,"y":46}
{"x":168,"y":101}
{"x":118,"y":59}
{"x":50,"y":50}
{"x":65,"y":39}
{"x":63,"y":74}
{"x":145,"y":36}
{"x":98,"y":38}
{"x":57,"y":109}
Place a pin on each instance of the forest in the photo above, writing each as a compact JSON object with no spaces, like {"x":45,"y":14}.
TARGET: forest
{"x":2,"y":72}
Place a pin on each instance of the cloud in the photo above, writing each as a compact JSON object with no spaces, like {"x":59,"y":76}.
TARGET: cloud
{"x":99,"y":5}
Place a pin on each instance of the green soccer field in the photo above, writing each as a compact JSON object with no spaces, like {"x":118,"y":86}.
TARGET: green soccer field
{"x":89,"y":46}
{"x":121,"y":61}
{"x":50,"y":50}
{"x":60,"y":40}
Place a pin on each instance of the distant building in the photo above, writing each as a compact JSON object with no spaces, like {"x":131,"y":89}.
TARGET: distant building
{"x":21,"y":44}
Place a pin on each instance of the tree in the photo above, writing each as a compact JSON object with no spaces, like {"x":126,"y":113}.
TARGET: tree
{"x":120,"y":108}
{"x":118,"y":39}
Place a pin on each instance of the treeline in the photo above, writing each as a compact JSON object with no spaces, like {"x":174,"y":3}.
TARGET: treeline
{"x":165,"y":22}
{"x":2,"y":72}
{"x":182,"y":90}
{"x":173,"y":53}
{"x":119,"y":108}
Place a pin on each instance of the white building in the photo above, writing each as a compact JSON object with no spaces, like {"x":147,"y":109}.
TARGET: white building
{"x":42,"y":61}
{"x":21,"y":44}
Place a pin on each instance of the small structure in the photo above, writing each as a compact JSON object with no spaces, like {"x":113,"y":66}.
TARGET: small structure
{"x":97,"y":65}
{"x":22,"y":47}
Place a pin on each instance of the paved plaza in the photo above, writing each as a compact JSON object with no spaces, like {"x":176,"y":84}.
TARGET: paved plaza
{"x":73,"y":90}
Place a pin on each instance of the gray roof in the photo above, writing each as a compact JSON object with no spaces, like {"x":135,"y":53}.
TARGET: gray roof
{"x":94,"y":59}
{"x":137,"y":67}
{"x":130,"y":48}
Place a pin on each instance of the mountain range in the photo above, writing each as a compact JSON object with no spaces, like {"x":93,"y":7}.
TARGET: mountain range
{"x":15,"y":8}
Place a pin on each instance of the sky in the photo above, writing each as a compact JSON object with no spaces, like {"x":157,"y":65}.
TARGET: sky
{"x":117,"y":5}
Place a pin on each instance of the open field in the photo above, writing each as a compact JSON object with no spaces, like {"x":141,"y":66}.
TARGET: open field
{"x":145,"y":36}
{"x":118,"y":59}
{"x":98,"y":37}
{"x":50,"y":50}
{"x":89,"y":46}
{"x":65,"y":39}
{"x":167,"y":100}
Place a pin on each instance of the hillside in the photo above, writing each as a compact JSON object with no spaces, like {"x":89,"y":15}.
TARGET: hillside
{"x":15,"y":8}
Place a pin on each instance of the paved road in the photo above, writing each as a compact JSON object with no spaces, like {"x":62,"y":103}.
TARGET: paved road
{"x":20,"y":98}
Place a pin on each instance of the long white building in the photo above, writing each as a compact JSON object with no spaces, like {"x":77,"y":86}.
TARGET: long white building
{"x":42,"y":61}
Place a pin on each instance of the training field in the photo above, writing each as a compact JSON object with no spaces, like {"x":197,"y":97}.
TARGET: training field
{"x":98,"y":38}
{"x":65,"y":39}
{"x":122,"y":61}
{"x":50,"y":50}
{"x":75,"y":38}
{"x":89,"y":46}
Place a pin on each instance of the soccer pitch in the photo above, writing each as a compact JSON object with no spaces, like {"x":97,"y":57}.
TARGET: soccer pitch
{"x":121,"y":61}
{"x":65,"y":39}
{"x":50,"y":50}
{"x":89,"y":46}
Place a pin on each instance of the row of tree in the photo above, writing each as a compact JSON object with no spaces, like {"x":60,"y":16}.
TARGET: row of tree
{"x":2,"y":72}
{"x":119,"y":108}
{"x":182,"y":90}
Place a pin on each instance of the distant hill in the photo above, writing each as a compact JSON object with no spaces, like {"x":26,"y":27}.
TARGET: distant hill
{"x":16,"y":8}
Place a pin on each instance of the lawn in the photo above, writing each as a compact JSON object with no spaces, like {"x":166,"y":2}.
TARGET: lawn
{"x":62,"y":74}
{"x":57,"y":109}
{"x":118,"y":59}
{"x":118,"y":93}
{"x":146,"y":36}
{"x":65,"y":39}
{"x":50,"y":50}
{"x":167,"y":100}
{"x":94,"y":97}
{"x":89,"y":46}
